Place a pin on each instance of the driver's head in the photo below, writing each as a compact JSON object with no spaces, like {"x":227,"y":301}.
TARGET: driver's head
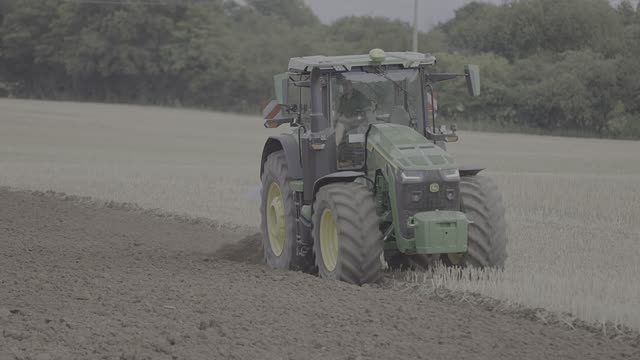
{"x":347,"y":85}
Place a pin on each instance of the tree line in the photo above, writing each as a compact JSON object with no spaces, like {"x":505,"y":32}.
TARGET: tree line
{"x":556,"y":66}
{"x":549,"y":65}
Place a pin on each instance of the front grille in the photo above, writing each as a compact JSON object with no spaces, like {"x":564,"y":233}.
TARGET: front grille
{"x":430,"y":201}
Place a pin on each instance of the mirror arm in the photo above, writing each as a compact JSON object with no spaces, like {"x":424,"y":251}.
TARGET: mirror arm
{"x":437,"y":77}
{"x":296,"y":111}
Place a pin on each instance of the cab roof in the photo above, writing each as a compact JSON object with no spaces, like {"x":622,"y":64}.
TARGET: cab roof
{"x":345,"y":63}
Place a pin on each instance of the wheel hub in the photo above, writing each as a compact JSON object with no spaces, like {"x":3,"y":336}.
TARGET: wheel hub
{"x":328,"y":240}
{"x":275,"y":219}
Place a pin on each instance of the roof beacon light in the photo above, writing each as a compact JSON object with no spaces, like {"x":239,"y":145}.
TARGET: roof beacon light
{"x":377,"y":55}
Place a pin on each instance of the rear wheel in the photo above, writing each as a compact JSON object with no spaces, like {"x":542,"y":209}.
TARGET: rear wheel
{"x":278,"y":212}
{"x":481,"y":201}
{"x":346,"y":238}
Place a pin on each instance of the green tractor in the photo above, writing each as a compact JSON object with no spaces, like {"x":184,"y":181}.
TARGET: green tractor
{"x":362,"y":180}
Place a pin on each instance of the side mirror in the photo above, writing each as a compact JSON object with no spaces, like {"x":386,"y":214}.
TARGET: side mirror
{"x":281,"y":86}
{"x":472,"y":74}
{"x":273,"y":114}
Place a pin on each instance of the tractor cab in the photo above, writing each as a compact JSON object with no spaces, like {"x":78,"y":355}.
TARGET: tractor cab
{"x":360,"y":90}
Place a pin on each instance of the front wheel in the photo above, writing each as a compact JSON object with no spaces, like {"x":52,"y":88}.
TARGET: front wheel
{"x":346,"y":237}
{"x":481,"y":201}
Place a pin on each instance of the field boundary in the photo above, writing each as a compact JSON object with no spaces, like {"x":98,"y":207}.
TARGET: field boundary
{"x":184,"y":218}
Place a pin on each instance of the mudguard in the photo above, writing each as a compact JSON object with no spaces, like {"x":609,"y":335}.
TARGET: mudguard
{"x":289,"y":144}
{"x":469,"y":170}
{"x":340,"y":176}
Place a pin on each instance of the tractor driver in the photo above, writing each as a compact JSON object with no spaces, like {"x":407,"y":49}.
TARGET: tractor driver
{"x":351,"y":110}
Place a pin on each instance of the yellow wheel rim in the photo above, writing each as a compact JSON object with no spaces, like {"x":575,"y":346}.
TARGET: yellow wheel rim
{"x":275,"y":219}
{"x":328,"y":240}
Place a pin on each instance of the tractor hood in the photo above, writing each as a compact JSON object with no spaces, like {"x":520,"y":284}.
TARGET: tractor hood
{"x":406,"y":149}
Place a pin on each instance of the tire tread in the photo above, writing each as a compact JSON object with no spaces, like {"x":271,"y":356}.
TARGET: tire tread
{"x":482,"y":203}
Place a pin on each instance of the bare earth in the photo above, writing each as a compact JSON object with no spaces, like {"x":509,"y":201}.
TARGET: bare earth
{"x":80,"y":281}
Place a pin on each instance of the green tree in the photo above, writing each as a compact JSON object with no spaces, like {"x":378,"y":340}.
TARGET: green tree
{"x":576,"y":91}
{"x":523,"y":28}
{"x":25,"y":52}
{"x":294,"y":12}
{"x":627,"y":13}
{"x":361,"y":34}
{"x":475,"y":28}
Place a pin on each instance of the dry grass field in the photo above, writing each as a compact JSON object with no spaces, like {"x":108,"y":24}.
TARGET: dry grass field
{"x":573,"y":204}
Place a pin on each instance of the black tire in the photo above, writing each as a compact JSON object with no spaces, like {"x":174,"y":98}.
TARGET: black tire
{"x":360,"y":243}
{"x":276,"y":171}
{"x":481,"y":201}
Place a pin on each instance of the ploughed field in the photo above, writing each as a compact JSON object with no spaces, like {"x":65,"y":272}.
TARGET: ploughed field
{"x":86,"y":278}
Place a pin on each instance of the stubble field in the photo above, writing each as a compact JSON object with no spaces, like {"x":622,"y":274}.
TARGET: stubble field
{"x":573,"y":205}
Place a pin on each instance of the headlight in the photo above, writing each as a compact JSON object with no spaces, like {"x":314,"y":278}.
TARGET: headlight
{"x":407,"y":177}
{"x":450,"y":174}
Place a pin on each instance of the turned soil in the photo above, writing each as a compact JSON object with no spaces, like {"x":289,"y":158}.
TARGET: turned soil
{"x":81,"y":281}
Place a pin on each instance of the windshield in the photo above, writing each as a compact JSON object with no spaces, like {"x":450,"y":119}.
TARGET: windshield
{"x":360,"y":98}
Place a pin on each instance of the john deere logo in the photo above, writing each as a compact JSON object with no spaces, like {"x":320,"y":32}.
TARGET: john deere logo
{"x":434,"y":188}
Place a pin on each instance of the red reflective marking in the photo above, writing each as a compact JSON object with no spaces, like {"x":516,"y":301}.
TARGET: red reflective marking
{"x":274,"y":112}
